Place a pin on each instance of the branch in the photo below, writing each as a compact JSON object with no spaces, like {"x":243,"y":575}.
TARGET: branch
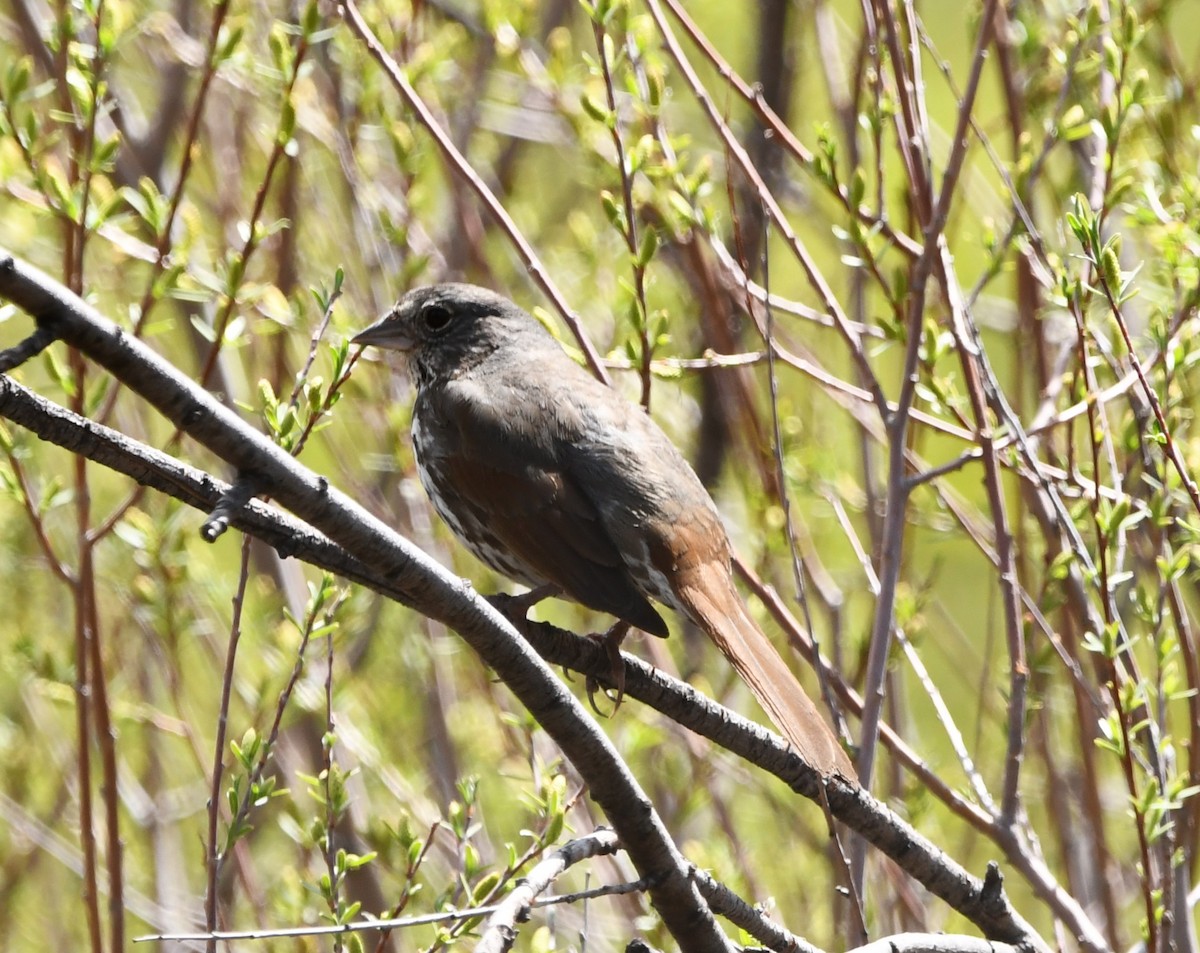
{"x":933,"y":943}
{"x":675,"y":699}
{"x":451,"y":916}
{"x":500,"y":931}
{"x":771,"y":207}
{"x":751,"y":919}
{"x":459,"y":164}
{"x":420,"y":583}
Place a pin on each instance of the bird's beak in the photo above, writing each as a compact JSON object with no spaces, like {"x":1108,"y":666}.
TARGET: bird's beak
{"x":388,"y":332}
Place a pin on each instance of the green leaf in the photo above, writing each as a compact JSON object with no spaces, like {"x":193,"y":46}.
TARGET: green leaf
{"x":594,"y":109}
{"x":648,"y":247}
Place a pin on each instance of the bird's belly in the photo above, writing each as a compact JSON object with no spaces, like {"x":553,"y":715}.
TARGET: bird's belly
{"x":468,"y":524}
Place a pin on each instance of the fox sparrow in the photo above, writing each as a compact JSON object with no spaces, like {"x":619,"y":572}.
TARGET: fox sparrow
{"x":555,"y":480}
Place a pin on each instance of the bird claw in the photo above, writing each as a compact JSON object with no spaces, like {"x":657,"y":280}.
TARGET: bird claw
{"x":611,"y":640}
{"x":591,"y":686}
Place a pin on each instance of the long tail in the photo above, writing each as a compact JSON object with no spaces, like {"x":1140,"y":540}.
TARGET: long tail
{"x":720,"y":612}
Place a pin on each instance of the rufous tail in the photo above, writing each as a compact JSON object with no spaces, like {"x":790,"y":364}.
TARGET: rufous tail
{"x":749,"y":650}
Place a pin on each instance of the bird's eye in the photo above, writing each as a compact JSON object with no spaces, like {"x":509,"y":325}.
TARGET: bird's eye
{"x":435,"y":317}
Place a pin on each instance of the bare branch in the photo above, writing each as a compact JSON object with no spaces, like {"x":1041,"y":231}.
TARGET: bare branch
{"x":677,"y":700}
{"x":422,"y":582}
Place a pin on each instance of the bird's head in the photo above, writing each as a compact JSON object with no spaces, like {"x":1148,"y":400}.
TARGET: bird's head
{"x":447,"y":328}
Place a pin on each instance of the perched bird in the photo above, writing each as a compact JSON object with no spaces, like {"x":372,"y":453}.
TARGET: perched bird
{"x":556,"y":481}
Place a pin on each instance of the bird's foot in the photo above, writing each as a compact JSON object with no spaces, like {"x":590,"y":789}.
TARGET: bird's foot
{"x":516,"y":608}
{"x":611,"y":640}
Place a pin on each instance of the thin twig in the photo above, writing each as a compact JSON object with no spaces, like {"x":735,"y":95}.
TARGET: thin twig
{"x":752,"y":94}
{"x":214,"y":855}
{"x":629,"y":232}
{"x":397,"y":923}
{"x":501,"y":928}
{"x":464,"y":169}
{"x":772,"y":207}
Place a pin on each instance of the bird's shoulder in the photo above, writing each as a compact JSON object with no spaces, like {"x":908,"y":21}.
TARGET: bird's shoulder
{"x":523,"y":412}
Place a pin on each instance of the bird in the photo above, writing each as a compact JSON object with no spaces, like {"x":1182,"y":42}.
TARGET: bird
{"x":556,"y":481}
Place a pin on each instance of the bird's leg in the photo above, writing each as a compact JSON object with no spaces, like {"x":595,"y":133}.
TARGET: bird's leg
{"x":611,"y":640}
{"x":516,"y":608}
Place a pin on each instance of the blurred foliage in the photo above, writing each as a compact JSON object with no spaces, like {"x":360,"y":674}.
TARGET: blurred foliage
{"x":244,"y":187}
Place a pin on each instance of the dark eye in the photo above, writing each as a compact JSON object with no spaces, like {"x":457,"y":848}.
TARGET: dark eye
{"x":435,"y":317}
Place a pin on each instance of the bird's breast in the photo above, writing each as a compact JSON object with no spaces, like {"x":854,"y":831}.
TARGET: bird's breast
{"x":468,"y":521}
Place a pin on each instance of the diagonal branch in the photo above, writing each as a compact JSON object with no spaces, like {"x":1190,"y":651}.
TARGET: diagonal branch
{"x":501,"y":928}
{"x":677,"y":700}
{"x":419,"y":581}
{"x":458,"y":162}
